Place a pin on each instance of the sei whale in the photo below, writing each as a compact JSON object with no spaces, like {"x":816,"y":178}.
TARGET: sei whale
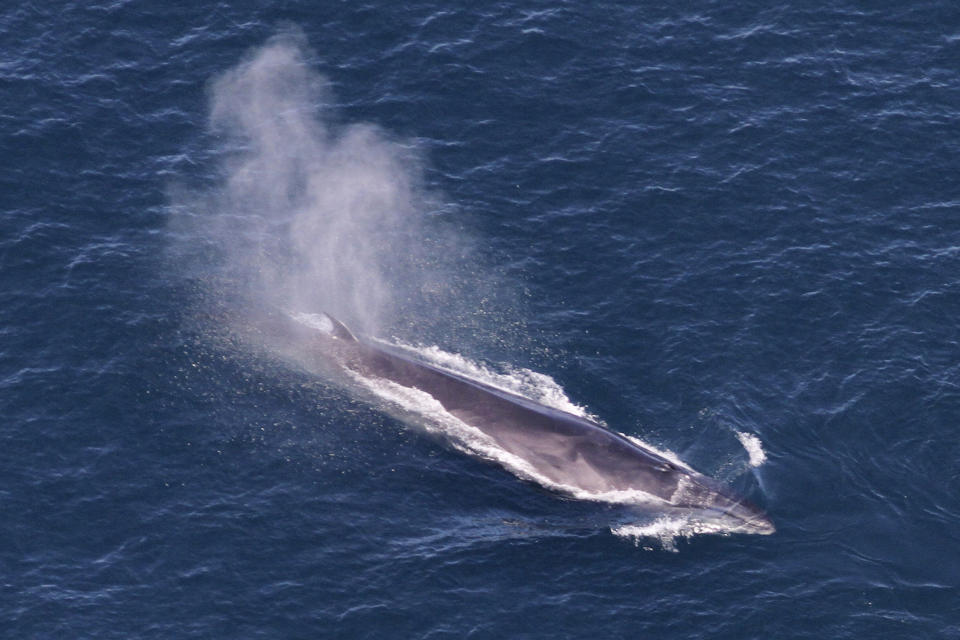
{"x":568,"y":450}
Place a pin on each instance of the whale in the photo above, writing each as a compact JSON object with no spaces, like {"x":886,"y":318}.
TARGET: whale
{"x":568,"y":450}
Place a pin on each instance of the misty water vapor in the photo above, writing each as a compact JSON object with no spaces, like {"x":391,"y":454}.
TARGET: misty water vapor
{"x":310,"y":215}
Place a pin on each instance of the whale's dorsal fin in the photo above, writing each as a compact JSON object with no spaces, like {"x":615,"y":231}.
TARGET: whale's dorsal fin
{"x":340,"y":330}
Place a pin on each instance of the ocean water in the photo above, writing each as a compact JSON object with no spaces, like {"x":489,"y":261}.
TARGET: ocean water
{"x":730,"y":231}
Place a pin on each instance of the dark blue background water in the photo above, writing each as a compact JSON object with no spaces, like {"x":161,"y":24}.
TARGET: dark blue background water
{"x":699,"y":218}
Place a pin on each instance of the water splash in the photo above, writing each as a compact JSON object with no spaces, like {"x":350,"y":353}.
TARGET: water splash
{"x":753,"y":447}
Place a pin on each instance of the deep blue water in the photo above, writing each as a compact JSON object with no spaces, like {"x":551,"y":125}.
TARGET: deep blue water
{"x":699,"y":219}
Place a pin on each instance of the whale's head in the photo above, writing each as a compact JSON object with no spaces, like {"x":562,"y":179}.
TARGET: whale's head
{"x":745,"y":517}
{"x":717,"y":504}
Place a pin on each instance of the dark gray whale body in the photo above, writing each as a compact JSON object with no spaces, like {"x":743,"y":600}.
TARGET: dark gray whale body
{"x":566,"y":449}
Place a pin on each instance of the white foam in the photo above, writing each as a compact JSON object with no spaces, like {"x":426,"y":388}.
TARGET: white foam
{"x":664,"y":532}
{"x":754,"y":448}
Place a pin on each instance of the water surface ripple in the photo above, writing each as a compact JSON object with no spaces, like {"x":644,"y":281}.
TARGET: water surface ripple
{"x":703,"y":221}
